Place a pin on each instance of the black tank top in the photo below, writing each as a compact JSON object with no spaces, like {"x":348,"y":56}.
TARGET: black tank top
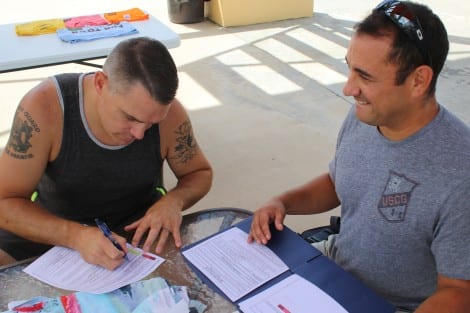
{"x":89,"y":179}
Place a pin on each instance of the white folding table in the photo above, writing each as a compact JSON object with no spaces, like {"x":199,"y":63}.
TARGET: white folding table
{"x":23,"y":52}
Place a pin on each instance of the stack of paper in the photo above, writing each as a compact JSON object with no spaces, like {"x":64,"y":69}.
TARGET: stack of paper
{"x":64,"y":268}
{"x":238,"y":268}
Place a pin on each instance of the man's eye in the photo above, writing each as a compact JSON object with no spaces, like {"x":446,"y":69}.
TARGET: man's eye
{"x":129,"y":118}
{"x":365,"y":77}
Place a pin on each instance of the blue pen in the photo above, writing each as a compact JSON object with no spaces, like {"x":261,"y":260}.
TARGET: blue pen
{"x":107,"y":233}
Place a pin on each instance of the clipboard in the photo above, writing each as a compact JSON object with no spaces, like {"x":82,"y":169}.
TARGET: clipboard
{"x":311,"y":264}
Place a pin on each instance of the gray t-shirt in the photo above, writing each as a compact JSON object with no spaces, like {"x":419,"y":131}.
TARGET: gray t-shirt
{"x":405,"y":207}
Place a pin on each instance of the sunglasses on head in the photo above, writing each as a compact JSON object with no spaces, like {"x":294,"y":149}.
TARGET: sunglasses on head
{"x":400,"y":14}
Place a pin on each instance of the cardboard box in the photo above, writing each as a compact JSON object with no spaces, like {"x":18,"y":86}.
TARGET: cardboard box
{"x":245,"y":12}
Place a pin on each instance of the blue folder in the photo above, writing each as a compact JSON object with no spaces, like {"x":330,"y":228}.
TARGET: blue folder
{"x":306,"y":261}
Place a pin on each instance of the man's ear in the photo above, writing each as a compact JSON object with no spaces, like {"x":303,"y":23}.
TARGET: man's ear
{"x":101,"y":79}
{"x":421,"y":79}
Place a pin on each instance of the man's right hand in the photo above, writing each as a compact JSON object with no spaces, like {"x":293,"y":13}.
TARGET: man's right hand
{"x":273,"y":211}
{"x":96,"y":249}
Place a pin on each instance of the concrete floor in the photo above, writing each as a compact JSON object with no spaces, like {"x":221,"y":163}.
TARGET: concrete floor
{"x":265,"y":100}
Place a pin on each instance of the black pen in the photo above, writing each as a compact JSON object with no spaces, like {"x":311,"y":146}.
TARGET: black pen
{"x":107,"y":233}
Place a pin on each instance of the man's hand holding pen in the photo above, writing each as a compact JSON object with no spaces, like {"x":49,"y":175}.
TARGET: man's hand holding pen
{"x":162,"y":221}
{"x":108,"y":234}
{"x":96,"y":248}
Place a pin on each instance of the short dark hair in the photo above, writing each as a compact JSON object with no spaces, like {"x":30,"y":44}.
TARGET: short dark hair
{"x":146,"y":61}
{"x":404,"y":51}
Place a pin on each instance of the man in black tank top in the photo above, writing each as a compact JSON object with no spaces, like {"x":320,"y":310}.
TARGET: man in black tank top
{"x":92,"y":146}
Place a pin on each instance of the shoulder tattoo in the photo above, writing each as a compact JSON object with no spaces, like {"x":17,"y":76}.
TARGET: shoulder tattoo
{"x":19,"y":143}
{"x":186,"y":146}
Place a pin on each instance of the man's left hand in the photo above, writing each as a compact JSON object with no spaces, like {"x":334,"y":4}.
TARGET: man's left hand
{"x":162,"y":219}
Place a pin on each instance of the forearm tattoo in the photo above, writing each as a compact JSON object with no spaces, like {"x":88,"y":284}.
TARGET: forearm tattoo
{"x":186,"y":146}
{"x":21,"y":133}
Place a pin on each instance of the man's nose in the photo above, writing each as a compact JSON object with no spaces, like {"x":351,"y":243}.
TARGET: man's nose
{"x":350,"y":88}
{"x":138,"y":131}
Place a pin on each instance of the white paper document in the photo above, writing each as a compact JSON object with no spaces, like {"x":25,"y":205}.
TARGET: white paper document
{"x":234,"y":265}
{"x":293,"y":294}
{"x":64,"y":268}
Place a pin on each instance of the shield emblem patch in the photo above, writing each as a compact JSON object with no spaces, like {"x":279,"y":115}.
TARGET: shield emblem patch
{"x":395,"y":197}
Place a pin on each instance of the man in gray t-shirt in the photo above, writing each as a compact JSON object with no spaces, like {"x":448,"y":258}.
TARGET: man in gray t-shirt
{"x":405,"y":206}
{"x":401,"y":171}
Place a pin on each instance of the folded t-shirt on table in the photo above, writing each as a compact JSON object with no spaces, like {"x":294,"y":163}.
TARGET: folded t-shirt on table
{"x":39,"y":27}
{"x":89,"y":33}
{"x":134,"y":14}
{"x":85,"y":20}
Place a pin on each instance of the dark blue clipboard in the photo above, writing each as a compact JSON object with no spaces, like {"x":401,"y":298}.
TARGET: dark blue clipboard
{"x":306,"y":261}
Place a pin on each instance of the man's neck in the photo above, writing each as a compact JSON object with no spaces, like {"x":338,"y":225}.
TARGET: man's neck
{"x":89,"y":105}
{"x":422,"y":117}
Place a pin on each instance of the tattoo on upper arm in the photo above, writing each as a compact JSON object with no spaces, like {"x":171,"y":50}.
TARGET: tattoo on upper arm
{"x":21,"y":133}
{"x":186,"y":146}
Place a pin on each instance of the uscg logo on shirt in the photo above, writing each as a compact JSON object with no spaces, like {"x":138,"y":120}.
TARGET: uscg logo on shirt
{"x":395,"y":197}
